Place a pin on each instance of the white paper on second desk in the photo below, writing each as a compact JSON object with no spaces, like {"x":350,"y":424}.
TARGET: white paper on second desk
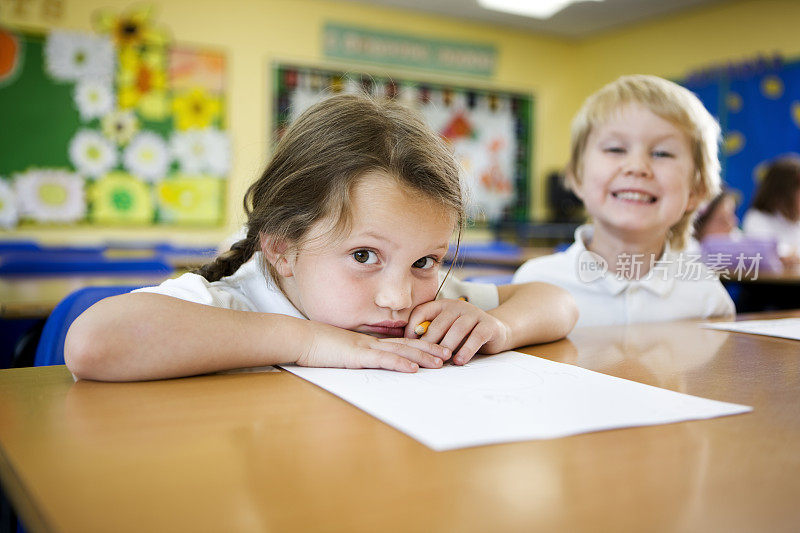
{"x":787,"y":328}
{"x":508,"y":397}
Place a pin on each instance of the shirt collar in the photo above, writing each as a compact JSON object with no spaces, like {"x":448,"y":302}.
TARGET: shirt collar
{"x":660,"y":280}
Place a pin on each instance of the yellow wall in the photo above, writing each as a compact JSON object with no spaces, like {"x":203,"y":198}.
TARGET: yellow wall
{"x":254,"y":34}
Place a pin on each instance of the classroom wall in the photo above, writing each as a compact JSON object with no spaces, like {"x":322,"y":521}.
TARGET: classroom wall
{"x":559,"y":72}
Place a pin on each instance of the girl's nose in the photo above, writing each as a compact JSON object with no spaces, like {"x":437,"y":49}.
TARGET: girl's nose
{"x":394,"y":292}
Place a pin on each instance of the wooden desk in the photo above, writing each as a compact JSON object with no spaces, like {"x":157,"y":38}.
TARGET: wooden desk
{"x":36,"y":296}
{"x":271,"y":452}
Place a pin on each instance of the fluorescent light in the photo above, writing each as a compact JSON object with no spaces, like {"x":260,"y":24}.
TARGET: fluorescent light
{"x":540,"y":9}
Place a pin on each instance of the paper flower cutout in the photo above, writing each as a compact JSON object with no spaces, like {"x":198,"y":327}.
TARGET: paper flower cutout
{"x":142,"y":82}
{"x":120,"y":126}
{"x":202,"y":151}
{"x":195,"y":109}
{"x":94,"y":98}
{"x":119,"y":198}
{"x":50,"y":195}
{"x":91,"y":153}
{"x":133,"y":28}
{"x":147,"y":157}
{"x":191,"y":200}
{"x":71,"y":56}
{"x":8,"y":206}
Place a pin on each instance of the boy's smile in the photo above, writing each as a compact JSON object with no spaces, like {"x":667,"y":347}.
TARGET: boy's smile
{"x":636,"y":174}
{"x":370,"y":279}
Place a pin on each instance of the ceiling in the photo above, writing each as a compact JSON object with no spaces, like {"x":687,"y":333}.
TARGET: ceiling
{"x":575,"y":21}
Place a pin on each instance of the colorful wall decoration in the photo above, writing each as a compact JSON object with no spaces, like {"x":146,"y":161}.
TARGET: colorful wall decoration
{"x":758,"y":107}
{"x":490,"y":131}
{"x":117,"y":127}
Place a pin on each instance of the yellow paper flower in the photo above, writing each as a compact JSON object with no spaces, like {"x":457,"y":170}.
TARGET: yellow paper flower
{"x":191,"y":200}
{"x":130,"y":29}
{"x":195,"y":109}
{"x":119,"y":198}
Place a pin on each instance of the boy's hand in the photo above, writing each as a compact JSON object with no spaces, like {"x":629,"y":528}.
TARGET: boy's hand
{"x":329,"y":346}
{"x":460,"y":327}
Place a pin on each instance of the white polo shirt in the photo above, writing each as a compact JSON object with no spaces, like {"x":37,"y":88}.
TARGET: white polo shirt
{"x":677,"y":287}
{"x":248,"y":289}
{"x":765,"y":225}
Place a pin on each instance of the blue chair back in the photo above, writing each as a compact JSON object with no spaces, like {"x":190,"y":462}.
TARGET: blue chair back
{"x":84,"y":262}
{"x":50,"y":350}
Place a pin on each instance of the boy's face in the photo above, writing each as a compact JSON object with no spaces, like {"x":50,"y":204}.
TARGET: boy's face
{"x":373,"y":278}
{"x":637,"y":169}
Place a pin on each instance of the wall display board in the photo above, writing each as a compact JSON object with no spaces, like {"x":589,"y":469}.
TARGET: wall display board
{"x":758,"y":107}
{"x":490,"y":131}
{"x":117,"y":127}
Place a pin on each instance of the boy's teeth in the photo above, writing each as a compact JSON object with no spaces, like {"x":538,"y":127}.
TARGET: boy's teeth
{"x":634,"y":196}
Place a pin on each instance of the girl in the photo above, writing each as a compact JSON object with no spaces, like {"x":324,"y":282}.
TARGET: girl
{"x":643,"y":157}
{"x":347,"y":230}
{"x":775,"y":212}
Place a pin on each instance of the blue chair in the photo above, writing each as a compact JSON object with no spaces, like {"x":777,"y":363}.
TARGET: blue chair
{"x":88,"y":262}
{"x":50,"y":350}
{"x":18,"y":246}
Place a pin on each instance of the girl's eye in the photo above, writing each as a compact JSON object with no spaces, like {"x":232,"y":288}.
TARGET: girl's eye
{"x":366,"y":257}
{"x":425,"y":262}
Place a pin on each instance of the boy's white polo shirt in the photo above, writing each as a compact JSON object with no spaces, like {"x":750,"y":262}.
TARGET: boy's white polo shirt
{"x":677,"y":287}
{"x":248,"y":290}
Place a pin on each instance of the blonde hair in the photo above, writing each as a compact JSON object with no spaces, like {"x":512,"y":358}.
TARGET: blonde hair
{"x":671,"y":102}
{"x":319,"y":160}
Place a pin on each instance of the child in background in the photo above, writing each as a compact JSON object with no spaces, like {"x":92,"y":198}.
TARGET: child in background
{"x":775,"y":212}
{"x":643,"y":157}
{"x":717,"y":218}
{"x":346,"y":232}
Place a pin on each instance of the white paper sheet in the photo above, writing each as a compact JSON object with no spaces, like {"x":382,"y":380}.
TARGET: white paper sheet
{"x":508,"y":397}
{"x":787,"y":328}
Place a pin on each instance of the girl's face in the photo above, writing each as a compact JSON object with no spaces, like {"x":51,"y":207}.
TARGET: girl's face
{"x":371,"y":279}
{"x":723,"y":219}
{"x":636,"y":175}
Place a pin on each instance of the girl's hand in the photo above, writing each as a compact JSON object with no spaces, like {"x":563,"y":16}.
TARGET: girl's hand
{"x":460,"y":327}
{"x":329,"y":346}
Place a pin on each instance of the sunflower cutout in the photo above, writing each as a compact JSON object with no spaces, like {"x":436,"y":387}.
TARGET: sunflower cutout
{"x":142,"y":82}
{"x":133,"y":28}
{"x":191,"y":200}
{"x":119,"y":198}
{"x":195,"y":109}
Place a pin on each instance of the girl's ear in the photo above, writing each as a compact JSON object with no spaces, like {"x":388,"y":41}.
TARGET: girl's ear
{"x":276,"y":251}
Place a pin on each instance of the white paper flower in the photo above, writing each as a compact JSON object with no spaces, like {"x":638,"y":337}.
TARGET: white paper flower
{"x":202,"y":151}
{"x":120,"y":126}
{"x":72,"y":56}
{"x":50,"y":195}
{"x":147,"y":157}
{"x":91,"y":153}
{"x":8,"y":206}
{"x":94,"y":98}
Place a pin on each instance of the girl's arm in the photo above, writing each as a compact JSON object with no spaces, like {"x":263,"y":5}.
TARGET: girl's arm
{"x":528,"y":313}
{"x":151,"y":336}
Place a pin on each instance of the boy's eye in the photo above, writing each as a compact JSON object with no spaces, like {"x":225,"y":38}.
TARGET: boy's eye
{"x":366,"y":257}
{"x":424,"y":262}
{"x":662,"y":153}
{"x":614,"y":150}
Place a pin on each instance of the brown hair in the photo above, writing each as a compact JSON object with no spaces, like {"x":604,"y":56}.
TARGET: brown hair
{"x":777,"y":192}
{"x":319,"y":159}
{"x":669,"y":101}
